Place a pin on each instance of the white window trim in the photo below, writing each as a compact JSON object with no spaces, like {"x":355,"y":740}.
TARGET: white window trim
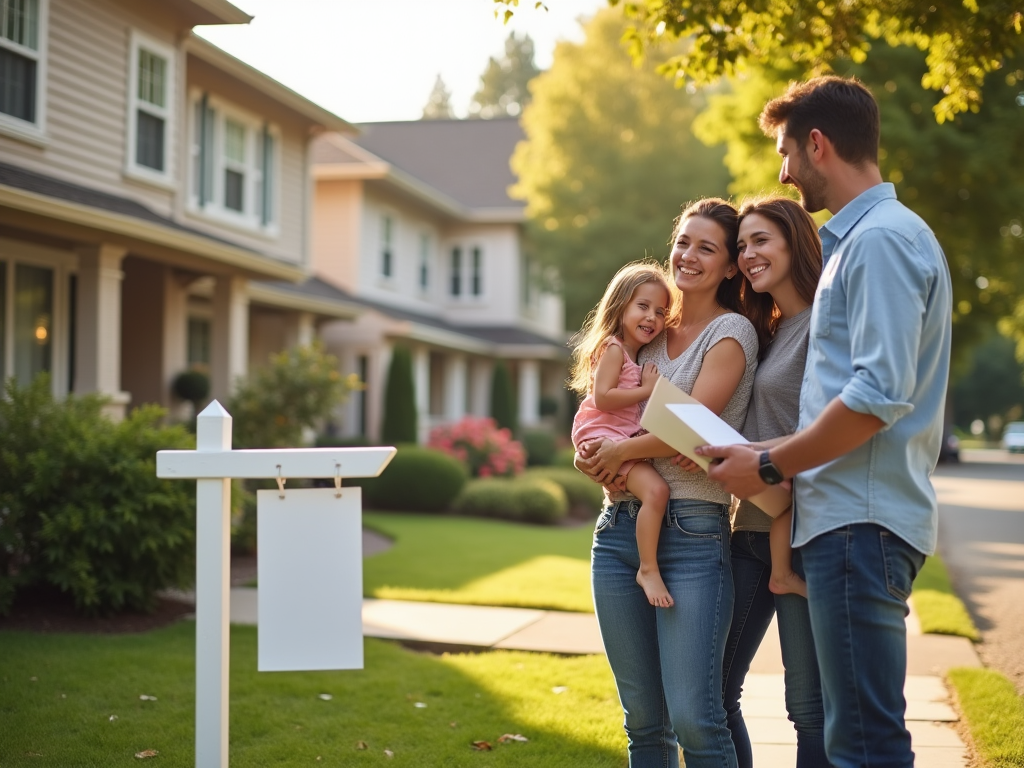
{"x":425,"y":261}
{"x":214,"y":210}
{"x":466,"y":295}
{"x":15,"y":127}
{"x":164,"y":179}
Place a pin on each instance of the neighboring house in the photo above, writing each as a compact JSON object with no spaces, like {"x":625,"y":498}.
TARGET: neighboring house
{"x":147,"y":178}
{"x":413,"y":222}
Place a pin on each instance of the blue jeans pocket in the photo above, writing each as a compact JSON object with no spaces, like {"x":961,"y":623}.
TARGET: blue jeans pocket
{"x":700,"y":526}
{"x":604,"y":519}
{"x":902,"y":563}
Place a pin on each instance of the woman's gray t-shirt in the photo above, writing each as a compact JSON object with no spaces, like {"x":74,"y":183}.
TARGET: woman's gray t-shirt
{"x":683,"y":371}
{"x":775,"y":402}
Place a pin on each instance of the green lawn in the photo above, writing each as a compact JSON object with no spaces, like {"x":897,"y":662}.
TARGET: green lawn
{"x":937,"y":605}
{"x":994,"y":714}
{"x":63,"y":716}
{"x":480,"y":562}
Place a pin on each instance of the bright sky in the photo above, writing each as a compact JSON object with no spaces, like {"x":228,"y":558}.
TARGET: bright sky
{"x":375,"y":60}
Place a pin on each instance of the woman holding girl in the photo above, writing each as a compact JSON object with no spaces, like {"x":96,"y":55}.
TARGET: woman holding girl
{"x":667,"y":661}
{"x":780,"y":258}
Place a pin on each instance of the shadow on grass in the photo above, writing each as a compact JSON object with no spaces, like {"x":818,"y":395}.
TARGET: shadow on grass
{"x":64,"y":716}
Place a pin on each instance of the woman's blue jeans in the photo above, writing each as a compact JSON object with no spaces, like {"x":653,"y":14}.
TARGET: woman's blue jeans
{"x":667,"y":662}
{"x":752,"y":614}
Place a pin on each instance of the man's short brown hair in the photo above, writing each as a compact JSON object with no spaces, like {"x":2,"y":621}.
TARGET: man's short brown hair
{"x":843,"y":109}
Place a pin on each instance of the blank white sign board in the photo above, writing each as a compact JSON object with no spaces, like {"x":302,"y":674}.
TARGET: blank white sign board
{"x":310,"y":569}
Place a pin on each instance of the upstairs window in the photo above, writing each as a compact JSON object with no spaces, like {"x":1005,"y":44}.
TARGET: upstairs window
{"x":20,"y":60}
{"x":150,"y":101}
{"x":477,"y":280}
{"x":424,"y":262}
{"x":386,"y":252}
{"x":234,"y":164}
{"x":456,"y":285}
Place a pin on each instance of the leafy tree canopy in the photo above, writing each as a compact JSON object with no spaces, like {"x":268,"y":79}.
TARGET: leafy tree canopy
{"x":964,"y":40}
{"x":439,"y":103}
{"x":503,"y":88}
{"x":608,"y":161}
{"x":963,"y":177}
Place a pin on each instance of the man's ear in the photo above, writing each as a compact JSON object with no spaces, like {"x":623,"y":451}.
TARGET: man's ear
{"x":817,"y":144}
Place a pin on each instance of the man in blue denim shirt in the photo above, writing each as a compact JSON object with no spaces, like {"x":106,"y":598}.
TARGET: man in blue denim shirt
{"x":871,"y":409}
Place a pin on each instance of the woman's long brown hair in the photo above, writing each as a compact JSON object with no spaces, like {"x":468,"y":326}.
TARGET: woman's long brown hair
{"x":797,"y":227}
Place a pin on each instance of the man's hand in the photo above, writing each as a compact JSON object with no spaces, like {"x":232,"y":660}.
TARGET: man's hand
{"x":736,"y":469}
{"x":686,"y":464}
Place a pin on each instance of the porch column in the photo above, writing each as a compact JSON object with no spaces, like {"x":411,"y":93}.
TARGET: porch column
{"x":98,"y":320}
{"x":480,"y":387}
{"x":455,"y":387}
{"x":301,"y":330}
{"x":529,"y":393}
{"x":230,"y":343}
{"x":175,"y":332}
{"x":421,"y":380}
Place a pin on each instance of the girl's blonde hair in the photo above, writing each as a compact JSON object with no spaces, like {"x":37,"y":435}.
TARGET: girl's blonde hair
{"x":606,"y":319}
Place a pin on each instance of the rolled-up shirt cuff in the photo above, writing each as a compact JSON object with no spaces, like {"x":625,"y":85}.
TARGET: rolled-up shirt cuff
{"x":863,"y":398}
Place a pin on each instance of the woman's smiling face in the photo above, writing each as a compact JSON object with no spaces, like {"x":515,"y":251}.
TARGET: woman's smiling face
{"x":765,"y":255}
{"x":700,"y":258}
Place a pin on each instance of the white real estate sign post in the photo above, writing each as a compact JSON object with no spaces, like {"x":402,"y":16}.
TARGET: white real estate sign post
{"x":301,"y":529}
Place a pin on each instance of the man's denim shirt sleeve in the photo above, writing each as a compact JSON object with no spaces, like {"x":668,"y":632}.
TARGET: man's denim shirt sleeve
{"x":881,"y":276}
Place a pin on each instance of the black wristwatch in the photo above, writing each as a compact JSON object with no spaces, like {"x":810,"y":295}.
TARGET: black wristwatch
{"x":768,"y":471}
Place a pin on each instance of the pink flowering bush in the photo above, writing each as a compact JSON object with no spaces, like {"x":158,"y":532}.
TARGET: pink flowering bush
{"x":485,"y":450}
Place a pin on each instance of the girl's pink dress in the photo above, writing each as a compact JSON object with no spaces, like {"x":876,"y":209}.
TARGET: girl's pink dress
{"x":591,"y":423}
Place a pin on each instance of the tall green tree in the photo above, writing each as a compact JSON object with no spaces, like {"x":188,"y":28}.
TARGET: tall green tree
{"x":608,"y":160}
{"x":503,"y":400}
{"x":965,"y":40}
{"x":503,"y":90}
{"x":400,"y":417}
{"x":962,"y":177}
{"x":439,"y":103}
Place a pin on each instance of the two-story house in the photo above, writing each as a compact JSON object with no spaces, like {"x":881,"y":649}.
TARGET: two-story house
{"x":147,"y":179}
{"x":413,"y":222}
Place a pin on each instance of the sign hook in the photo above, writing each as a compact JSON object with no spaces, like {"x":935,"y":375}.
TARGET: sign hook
{"x":337,"y":480}
{"x":280,"y":481}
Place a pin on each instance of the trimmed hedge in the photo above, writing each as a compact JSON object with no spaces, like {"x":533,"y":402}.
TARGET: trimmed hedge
{"x":530,"y":500}
{"x":417,"y":479}
{"x":81,"y":508}
{"x":585,"y":496}
{"x":540,"y":447}
{"x":565,"y":458}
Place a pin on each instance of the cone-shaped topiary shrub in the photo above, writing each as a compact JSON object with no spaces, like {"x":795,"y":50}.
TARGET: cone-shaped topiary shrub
{"x":399,"y":400}
{"x":503,"y":402}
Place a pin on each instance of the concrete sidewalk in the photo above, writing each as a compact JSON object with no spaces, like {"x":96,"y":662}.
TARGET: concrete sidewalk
{"x":930,"y":718}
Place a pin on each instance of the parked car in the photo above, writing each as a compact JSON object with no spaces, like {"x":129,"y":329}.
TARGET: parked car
{"x":1013,"y":437}
{"x":950,"y":448}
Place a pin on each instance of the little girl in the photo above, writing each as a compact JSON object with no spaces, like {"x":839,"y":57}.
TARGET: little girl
{"x":604,"y":368}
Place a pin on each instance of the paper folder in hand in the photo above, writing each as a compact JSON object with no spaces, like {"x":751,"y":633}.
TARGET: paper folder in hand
{"x":676,"y":418}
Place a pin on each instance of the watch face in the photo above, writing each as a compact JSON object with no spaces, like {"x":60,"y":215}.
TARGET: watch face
{"x":768,"y":471}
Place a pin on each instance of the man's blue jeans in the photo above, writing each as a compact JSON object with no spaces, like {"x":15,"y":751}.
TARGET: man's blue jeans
{"x":667,"y":662}
{"x":752,"y":614}
{"x":858,"y":581}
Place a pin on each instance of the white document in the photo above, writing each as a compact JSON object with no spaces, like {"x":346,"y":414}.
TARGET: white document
{"x":683,"y":422}
{"x":310,"y":565}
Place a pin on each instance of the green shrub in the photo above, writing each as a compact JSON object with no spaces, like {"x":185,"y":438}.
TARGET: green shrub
{"x":400,"y":418}
{"x":503,"y":401}
{"x":417,"y":479}
{"x":540,"y":447}
{"x":333,"y":441}
{"x":565,"y":458}
{"x":81,"y":508}
{"x":585,"y":496}
{"x":531,"y":500}
{"x":192,"y":387}
{"x":297,"y":390}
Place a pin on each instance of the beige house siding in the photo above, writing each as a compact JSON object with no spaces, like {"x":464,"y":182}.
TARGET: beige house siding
{"x":88,"y":46}
{"x":337,"y":217}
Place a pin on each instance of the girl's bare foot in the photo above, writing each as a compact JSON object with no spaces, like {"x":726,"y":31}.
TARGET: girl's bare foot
{"x":787,"y":583}
{"x":654,"y":588}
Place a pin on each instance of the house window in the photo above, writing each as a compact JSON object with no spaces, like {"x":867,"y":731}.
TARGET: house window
{"x":424,"y":262}
{"x":20,"y":59}
{"x":199,"y":332}
{"x":386,"y":254}
{"x":234,"y":164}
{"x":477,"y":283}
{"x":150,"y":101}
{"x":26,"y":321}
{"x":456,"y":271}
